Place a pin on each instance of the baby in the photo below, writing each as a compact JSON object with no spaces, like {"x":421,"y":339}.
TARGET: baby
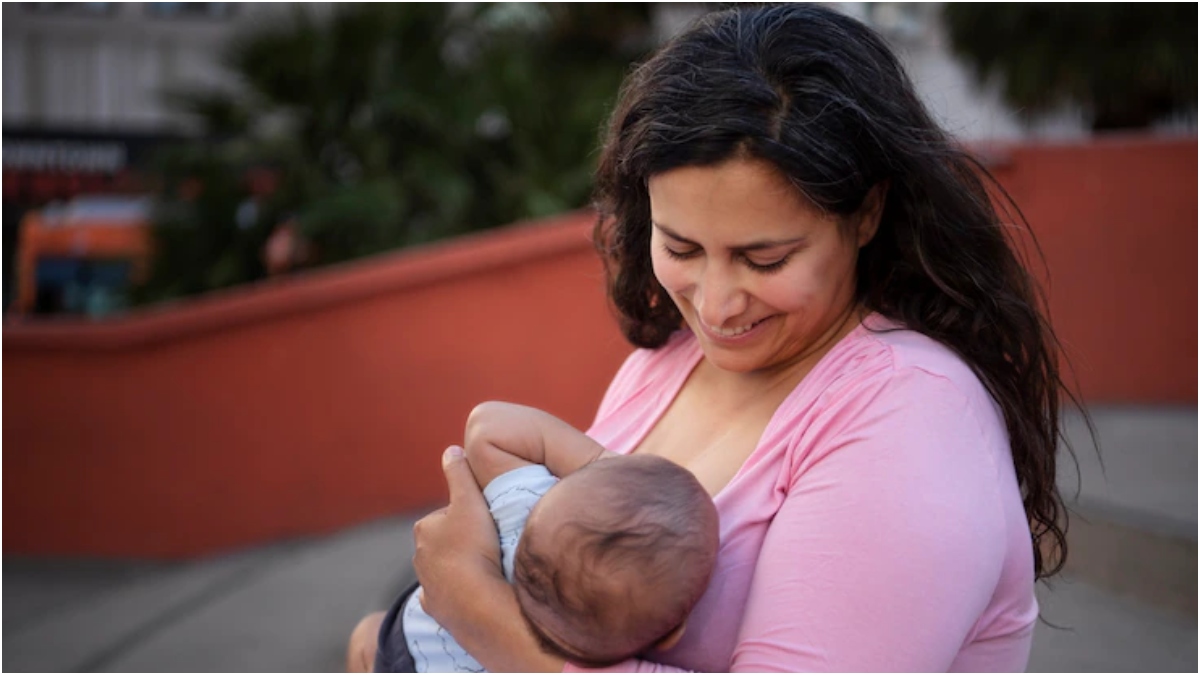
{"x":612,"y":557}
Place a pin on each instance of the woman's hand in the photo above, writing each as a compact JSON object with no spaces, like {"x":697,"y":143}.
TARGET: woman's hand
{"x":457,"y":561}
{"x":455,"y":544}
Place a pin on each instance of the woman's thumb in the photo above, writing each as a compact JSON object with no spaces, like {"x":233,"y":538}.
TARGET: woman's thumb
{"x":459,"y":479}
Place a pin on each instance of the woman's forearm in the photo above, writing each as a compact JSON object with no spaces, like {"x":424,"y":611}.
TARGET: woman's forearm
{"x":492,"y":629}
{"x":457,"y":561}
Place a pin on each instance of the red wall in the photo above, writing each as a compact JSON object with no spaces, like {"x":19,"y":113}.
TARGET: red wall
{"x":294,"y":407}
{"x":1117,"y":221}
{"x":304,"y":405}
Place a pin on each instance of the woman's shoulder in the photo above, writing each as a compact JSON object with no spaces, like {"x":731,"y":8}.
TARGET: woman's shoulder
{"x":888,"y":391}
{"x":882,"y":357}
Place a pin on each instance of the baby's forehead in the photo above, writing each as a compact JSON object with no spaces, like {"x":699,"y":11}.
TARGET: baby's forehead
{"x":636,"y":473}
{"x":573,"y":498}
{"x":609,"y":493}
{"x":600,"y":484}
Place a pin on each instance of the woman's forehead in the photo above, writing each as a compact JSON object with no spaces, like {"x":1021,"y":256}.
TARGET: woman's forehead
{"x":739,"y":200}
{"x":737,"y":178}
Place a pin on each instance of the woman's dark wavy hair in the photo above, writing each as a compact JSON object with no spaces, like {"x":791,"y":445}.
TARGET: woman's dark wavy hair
{"x":822,"y":98}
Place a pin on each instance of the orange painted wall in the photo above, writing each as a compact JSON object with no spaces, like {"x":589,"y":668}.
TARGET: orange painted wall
{"x":303,"y":405}
{"x":296,"y":407}
{"x":1117,"y":222}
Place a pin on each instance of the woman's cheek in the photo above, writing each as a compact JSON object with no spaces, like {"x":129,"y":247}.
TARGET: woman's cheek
{"x":787,"y":292}
{"x":672,"y":274}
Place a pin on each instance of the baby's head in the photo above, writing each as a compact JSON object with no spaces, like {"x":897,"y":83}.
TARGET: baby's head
{"x":614,"y":557}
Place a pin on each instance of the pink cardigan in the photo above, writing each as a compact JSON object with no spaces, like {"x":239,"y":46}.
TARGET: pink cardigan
{"x":876,"y":527}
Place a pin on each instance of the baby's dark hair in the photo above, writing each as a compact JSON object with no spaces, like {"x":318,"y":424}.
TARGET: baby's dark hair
{"x":648,"y":523}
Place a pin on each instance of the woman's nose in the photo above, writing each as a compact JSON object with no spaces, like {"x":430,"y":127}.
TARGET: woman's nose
{"x":719,"y":296}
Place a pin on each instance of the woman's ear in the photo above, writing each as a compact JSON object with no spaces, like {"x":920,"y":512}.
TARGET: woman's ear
{"x":672,"y":638}
{"x":871,"y":212}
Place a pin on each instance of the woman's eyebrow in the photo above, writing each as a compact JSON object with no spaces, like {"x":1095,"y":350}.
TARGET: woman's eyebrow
{"x":750,"y":246}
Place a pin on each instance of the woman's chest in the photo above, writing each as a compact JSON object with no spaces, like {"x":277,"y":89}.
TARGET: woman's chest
{"x":746,"y":509}
{"x":710,"y":435}
{"x":712,"y":449}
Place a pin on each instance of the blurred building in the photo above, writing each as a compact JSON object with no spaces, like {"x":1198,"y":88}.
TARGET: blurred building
{"x":85,"y":85}
{"x":103,"y":65}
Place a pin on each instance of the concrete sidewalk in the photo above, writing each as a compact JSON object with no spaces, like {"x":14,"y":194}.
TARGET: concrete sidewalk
{"x":281,"y":608}
{"x":1126,"y":603}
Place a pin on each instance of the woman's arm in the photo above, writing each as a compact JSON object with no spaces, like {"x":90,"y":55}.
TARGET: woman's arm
{"x":889,"y":544}
{"x":501,"y":437}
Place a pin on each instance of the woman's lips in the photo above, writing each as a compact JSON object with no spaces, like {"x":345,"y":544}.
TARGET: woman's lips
{"x":735,"y":335}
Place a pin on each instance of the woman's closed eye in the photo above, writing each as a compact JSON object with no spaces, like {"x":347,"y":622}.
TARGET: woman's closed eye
{"x":767,"y":267}
{"x":681,"y":255}
{"x":756,"y":265}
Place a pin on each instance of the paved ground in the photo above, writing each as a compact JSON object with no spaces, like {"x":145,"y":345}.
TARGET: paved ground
{"x":1128,"y":602}
{"x":281,"y":608}
{"x":1103,"y":632}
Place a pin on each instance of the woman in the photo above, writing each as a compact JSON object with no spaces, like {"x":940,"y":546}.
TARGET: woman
{"x":863,"y":380}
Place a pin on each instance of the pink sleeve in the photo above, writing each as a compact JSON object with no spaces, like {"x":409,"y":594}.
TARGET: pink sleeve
{"x":889,"y":544}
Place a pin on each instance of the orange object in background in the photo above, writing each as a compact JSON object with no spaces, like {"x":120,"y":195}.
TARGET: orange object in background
{"x":76,"y":237}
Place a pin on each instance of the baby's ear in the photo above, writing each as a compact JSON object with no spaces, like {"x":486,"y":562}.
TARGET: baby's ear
{"x":672,"y":638}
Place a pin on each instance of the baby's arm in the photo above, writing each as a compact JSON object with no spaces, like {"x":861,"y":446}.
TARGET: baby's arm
{"x":501,"y":437}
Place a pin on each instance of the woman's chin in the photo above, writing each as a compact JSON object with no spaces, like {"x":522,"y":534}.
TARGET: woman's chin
{"x":732,"y":360}
{"x":742,"y":353}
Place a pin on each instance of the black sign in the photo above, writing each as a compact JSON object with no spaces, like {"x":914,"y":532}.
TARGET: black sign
{"x":42,"y":164}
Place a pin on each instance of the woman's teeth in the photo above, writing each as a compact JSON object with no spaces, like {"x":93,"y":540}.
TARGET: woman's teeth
{"x":731,"y":332}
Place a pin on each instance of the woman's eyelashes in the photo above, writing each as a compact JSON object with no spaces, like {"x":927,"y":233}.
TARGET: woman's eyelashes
{"x":762,"y":268}
{"x":767,"y":268}
{"x":681,"y":255}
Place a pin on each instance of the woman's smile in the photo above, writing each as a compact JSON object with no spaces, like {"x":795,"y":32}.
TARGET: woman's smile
{"x":736,"y":333}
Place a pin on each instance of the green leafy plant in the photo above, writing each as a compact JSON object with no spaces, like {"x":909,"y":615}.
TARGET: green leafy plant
{"x":386,"y":125}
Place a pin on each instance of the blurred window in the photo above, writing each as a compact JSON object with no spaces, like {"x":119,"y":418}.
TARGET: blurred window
{"x":94,"y":288}
{"x":190,"y":10}
{"x":99,"y":9}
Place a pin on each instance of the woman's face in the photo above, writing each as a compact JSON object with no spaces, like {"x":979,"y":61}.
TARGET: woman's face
{"x":763,"y":277}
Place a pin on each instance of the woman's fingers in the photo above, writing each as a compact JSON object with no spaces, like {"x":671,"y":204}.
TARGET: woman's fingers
{"x":455,"y":542}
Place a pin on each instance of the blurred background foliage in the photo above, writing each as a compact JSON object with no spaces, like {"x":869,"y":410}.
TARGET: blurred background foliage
{"x":1127,"y":64}
{"x":385,"y":125}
